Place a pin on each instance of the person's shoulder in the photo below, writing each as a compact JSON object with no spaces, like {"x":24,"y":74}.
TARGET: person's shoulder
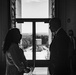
{"x":14,"y":46}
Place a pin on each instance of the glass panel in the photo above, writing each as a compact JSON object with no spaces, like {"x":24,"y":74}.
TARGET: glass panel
{"x":26,"y":42}
{"x":35,"y":8}
{"x":27,"y":39}
{"x":42,"y":41}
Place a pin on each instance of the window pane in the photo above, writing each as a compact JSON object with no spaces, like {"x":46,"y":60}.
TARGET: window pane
{"x":27,"y":28}
{"x":27,"y":39}
{"x":35,"y":8}
{"x":42,"y":28}
{"x":42,"y":42}
{"x":26,"y":42}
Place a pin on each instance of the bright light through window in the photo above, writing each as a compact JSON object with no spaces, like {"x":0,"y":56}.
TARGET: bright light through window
{"x":35,"y":9}
{"x":27,"y":27}
{"x":42,"y":28}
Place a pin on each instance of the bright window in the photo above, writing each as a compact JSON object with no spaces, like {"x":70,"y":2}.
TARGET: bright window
{"x":35,"y":9}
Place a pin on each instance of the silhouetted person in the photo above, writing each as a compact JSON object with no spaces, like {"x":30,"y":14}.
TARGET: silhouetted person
{"x":72,"y":51}
{"x":59,"y":64}
{"x":15,"y":59}
{"x":72,"y":37}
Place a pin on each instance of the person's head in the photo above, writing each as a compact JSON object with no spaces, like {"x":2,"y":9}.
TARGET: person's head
{"x":70,"y":32}
{"x":13,"y":36}
{"x":55,"y":23}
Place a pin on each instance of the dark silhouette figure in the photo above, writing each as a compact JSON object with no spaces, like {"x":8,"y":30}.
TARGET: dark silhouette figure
{"x":15,"y":60}
{"x":59,"y":64}
{"x":72,"y":51}
{"x":73,"y":38}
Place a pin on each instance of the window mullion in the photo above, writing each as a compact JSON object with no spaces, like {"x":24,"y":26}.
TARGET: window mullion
{"x":34,"y":42}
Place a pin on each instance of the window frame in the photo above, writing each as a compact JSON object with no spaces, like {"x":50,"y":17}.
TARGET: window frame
{"x":13,"y":20}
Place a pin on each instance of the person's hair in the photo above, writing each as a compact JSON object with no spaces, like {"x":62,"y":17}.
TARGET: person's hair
{"x":12,"y":36}
{"x":55,"y":23}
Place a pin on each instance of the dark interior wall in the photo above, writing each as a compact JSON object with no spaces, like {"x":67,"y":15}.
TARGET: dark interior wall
{"x":3,"y":30}
{"x":66,"y":11}
{"x":61,"y":11}
{"x":0,"y":33}
{"x":71,"y":15}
